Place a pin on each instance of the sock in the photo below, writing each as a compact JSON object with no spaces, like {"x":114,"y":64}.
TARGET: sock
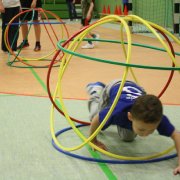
{"x":37,"y":43}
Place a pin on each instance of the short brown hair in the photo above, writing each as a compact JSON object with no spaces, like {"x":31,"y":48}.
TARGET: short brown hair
{"x":147,"y":108}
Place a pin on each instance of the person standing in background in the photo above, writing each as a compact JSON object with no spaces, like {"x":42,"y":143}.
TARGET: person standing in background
{"x":71,"y":9}
{"x":27,"y":4}
{"x":9,"y":9}
{"x":125,"y":4}
{"x":87,"y":11}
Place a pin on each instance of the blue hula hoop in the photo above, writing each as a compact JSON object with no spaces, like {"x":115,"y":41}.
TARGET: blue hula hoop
{"x":106,"y":160}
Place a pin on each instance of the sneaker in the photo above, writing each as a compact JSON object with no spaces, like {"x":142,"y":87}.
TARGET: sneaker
{"x":97,"y":37}
{"x":96,"y":87}
{"x":24,"y":44}
{"x":88,"y":46}
{"x":37,"y":47}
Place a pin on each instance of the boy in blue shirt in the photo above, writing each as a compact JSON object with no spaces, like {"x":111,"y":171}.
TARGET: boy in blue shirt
{"x":136,"y":113}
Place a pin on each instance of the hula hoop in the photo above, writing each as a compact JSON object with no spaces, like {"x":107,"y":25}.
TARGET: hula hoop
{"x":127,"y":54}
{"x":11,"y":64}
{"x":118,"y":63}
{"x":167,"y":157}
{"x":88,"y":57}
{"x":48,"y":81}
{"x":21,"y":59}
{"x":61,"y":72}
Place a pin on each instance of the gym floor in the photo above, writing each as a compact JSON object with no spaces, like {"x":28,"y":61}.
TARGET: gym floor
{"x":26,"y":151}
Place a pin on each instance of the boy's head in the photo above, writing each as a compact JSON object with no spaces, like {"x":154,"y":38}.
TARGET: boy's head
{"x":146,"y":114}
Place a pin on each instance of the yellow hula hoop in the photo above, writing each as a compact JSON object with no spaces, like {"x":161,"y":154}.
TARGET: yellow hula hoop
{"x":133,"y":18}
{"x":80,"y":37}
{"x":63,"y":65}
{"x":158,"y":36}
{"x":62,"y":69}
{"x":21,"y":58}
{"x":65,"y":111}
{"x":125,"y":54}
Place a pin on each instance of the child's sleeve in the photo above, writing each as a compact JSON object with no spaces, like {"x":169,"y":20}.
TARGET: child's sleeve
{"x":102,"y":115}
{"x":118,"y":116}
{"x":165,"y":127}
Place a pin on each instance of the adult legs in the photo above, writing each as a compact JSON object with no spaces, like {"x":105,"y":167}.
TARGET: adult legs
{"x":13,"y":33}
{"x":37,"y":30}
{"x":73,"y":11}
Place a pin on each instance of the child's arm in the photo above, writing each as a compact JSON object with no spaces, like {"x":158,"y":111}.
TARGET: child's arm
{"x":89,"y":14}
{"x":176,"y":137}
{"x":94,"y":125}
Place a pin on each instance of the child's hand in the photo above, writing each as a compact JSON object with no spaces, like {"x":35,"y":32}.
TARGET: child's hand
{"x":177,"y":171}
{"x":100,"y":145}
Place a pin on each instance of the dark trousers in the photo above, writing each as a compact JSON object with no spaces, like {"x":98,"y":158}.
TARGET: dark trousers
{"x":13,"y":32}
{"x":71,"y":9}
